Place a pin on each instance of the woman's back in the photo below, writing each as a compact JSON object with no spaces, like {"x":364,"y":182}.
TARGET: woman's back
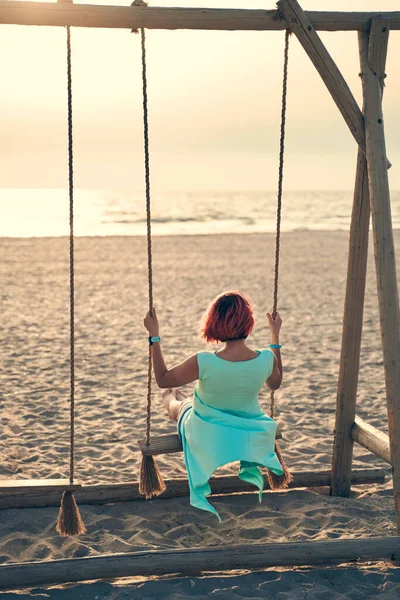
{"x":233,"y":386}
{"x":224,"y":423}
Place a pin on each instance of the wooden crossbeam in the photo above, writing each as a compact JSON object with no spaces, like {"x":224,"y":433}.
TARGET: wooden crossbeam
{"x":126,"y":17}
{"x":168,"y":444}
{"x":106,"y":493}
{"x":189,"y":560}
{"x":372,"y":439}
{"x":29,"y":486}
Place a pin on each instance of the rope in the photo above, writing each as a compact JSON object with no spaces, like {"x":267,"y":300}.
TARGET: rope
{"x":148,"y":220}
{"x":71,"y":263}
{"x":280,"y":186}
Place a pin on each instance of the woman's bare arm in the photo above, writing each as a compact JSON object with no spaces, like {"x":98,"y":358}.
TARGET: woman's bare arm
{"x":182,"y":374}
{"x":275,"y":379}
{"x":186,"y":372}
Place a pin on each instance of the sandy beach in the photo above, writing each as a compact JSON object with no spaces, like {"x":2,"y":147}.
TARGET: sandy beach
{"x":111,"y":366}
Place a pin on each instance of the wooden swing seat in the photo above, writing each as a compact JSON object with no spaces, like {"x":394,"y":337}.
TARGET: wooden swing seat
{"x":168,"y":444}
{"x":37,"y":485}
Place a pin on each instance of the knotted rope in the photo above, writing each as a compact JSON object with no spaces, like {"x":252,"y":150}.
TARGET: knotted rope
{"x":151,"y":482}
{"x":69,"y":519}
{"x":280,"y":188}
{"x":280,"y":481}
{"x":71,"y":264}
{"x":148,"y":221}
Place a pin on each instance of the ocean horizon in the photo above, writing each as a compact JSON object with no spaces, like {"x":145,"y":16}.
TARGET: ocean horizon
{"x":44,"y":212}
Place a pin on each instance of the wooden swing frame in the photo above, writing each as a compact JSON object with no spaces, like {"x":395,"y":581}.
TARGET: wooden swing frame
{"x":371,"y":197}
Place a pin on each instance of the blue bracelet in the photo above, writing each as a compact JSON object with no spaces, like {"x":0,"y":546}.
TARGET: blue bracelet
{"x":275,"y":346}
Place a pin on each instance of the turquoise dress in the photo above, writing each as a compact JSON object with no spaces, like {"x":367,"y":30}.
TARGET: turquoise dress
{"x":226,"y":424}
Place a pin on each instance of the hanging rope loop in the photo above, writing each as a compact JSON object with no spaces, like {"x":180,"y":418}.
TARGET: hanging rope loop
{"x":280,"y":190}
{"x":138,"y":3}
{"x":69,"y":522}
{"x":71,"y":260}
{"x":148,"y":219}
{"x":151,"y":482}
{"x":148,"y":210}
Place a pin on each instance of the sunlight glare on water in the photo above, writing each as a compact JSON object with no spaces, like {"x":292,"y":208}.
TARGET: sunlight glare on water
{"x":44,"y":212}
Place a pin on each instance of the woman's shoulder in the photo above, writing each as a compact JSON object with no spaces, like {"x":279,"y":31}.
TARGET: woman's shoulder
{"x":268,"y":355}
{"x":205,"y":361}
{"x":266,"y":351}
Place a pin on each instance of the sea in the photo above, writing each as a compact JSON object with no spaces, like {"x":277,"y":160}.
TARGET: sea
{"x":45,"y":212}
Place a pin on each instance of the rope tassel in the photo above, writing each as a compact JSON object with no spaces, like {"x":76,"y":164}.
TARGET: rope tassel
{"x":69,"y":521}
{"x":151,"y":482}
{"x":279,"y":482}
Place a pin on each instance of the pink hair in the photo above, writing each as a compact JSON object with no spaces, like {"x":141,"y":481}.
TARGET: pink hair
{"x":230,"y":316}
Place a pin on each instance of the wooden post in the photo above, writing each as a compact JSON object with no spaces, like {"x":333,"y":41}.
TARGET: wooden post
{"x":384,"y":255}
{"x":355,"y":292}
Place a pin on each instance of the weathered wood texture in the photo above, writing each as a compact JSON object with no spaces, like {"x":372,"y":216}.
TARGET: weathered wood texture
{"x":371,"y":438}
{"x":31,"y":485}
{"x":355,"y":293}
{"x":161,"y":444}
{"x":126,"y":492}
{"x":126,"y":17}
{"x":162,"y":562}
{"x":385,"y":262}
{"x":168,"y":444}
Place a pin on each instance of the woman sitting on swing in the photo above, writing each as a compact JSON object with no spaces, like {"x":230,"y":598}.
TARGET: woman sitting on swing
{"x":223,"y":422}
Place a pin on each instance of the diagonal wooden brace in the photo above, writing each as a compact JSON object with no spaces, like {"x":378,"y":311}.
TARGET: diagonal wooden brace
{"x":301,"y":26}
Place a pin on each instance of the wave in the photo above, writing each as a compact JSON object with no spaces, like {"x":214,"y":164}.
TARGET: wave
{"x":44,"y":213}
{"x":170,"y":220}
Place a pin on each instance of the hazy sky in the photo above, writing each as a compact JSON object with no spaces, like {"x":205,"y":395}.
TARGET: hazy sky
{"x":214,"y":101}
